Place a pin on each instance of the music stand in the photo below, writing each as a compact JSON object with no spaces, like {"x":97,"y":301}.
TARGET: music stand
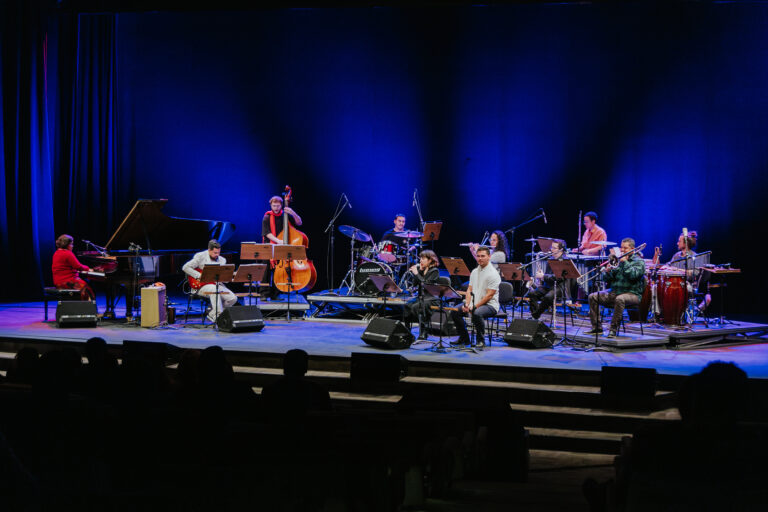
{"x":255,"y":251}
{"x":545,"y":243}
{"x":455,"y":266}
{"x":385,"y":284}
{"x":562,"y":269}
{"x":431,"y":231}
{"x":217,"y":274}
{"x":514,"y":272}
{"x":249,"y":273}
{"x":441,"y":291}
{"x":289,"y":253}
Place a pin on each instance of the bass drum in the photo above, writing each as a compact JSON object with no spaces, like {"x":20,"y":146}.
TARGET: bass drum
{"x":370,"y":268}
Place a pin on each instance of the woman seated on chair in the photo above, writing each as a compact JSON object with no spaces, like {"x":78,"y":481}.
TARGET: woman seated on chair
{"x":544,"y":295}
{"x":66,"y":267}
{"x":420,"y":308}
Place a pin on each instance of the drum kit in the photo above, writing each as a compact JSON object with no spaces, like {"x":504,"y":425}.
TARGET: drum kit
{"x":367,"y":258}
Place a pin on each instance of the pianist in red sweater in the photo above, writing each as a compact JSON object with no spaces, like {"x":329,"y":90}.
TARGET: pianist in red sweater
{"x":65,"y":267}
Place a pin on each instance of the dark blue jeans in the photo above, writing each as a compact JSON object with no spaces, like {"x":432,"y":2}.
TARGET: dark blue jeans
{"x":478,"y":320}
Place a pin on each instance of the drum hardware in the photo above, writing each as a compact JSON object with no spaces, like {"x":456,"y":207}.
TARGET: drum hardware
{"x":372,"y":268}
{"x":354,"y":234}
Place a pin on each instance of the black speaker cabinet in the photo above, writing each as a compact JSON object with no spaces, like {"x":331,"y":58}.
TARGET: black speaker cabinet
{"x":241,"y":319}
{"x":388,"y":334}
{"x":529,"y":334}
{"x":80,"y":313}
{"x":442,"y":325}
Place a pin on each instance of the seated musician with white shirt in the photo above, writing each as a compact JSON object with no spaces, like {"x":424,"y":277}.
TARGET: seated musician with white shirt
{"x":482,"y":299}
{"x":193,"y":268}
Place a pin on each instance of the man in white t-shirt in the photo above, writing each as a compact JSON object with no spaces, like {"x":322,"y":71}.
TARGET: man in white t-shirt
{"x":482,"y":299}
{"x":193,"y":268}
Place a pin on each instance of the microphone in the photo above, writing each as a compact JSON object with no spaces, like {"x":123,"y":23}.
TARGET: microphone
{"x":414,"y":197}
{"x":348,"y":203}
{"x":85,"y":241}
{"x":544,"y":214}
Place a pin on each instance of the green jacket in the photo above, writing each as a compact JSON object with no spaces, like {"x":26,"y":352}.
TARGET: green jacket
{"x":627,"y":277}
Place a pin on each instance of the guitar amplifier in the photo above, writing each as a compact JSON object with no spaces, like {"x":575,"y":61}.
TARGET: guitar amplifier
{"x":153,"y":306}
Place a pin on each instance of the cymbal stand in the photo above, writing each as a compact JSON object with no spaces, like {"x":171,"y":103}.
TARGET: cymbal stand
{"x":349,"y":278}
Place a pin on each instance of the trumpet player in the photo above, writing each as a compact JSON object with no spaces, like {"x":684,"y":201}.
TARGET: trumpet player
{"x":625,"y":278}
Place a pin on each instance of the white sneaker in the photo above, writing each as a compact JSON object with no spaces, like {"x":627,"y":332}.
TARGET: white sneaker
{"x":211,"y":318}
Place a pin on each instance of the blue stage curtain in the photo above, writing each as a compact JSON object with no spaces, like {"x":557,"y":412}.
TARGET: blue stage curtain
{"x":26,"y":220}
{"x":57,"y":136}
{"x":86,"y":180}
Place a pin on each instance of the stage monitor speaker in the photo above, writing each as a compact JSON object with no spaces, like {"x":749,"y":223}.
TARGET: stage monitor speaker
{"x":241,"y":319}
{"x":387,"y":334}
{"x":442,"y":325}
{"x":527,"y":333}
{"x":80,"y":313}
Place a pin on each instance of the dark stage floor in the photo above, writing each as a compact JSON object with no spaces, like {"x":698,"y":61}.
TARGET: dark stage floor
{"x":24,"y":321}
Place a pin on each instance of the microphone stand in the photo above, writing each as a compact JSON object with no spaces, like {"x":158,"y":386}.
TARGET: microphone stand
{"x":511,"y":230}
{"x":417,"y":204}
{"x":332,"y":232}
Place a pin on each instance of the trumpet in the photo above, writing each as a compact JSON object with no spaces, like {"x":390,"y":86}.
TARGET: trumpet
{"x":612,"y":263}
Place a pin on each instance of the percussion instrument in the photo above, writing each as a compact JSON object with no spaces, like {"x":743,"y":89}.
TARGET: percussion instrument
{"x":355,"y":234}
{"x":672,"y":292}
{"x":604,"y":243}
{"x":387,"y":251}
{"x":409,"y":234}
{"x":370,"y":268}
{"x":368,"y":252}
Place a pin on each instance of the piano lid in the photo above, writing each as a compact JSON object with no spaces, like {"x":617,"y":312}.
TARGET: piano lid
{"x":147,"y":226}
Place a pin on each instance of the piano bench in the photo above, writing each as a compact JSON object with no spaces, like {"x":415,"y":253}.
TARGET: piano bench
{"x":56,"y":294}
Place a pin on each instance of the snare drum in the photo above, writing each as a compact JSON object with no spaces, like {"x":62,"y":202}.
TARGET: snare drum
{"x":672,"y":293}
{"x":370,"y":268}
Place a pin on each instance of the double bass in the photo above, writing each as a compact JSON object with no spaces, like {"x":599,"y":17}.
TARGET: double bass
{"x":293,"y":275}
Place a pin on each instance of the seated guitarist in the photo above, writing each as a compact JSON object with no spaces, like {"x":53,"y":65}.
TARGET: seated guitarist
{"x":193,"y":269}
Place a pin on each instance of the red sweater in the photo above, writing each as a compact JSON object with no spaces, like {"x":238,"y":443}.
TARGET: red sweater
{"x":65,"y":267}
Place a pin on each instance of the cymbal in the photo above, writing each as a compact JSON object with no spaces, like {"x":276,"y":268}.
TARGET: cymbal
{"x":531,"y":240}
{"x":603,"y":243}
{"x":353,"y":232}
{"x":410,"y":234}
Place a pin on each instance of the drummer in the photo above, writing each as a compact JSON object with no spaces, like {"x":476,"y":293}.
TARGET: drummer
{"x":391,"y":245}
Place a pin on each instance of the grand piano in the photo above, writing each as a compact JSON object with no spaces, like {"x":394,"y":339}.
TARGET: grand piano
{"x":146,"y":245}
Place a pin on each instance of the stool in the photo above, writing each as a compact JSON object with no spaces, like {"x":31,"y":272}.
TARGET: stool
{"x":203,"y":305}
{"x":636,"y":311}
{"x":57,"y":294}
